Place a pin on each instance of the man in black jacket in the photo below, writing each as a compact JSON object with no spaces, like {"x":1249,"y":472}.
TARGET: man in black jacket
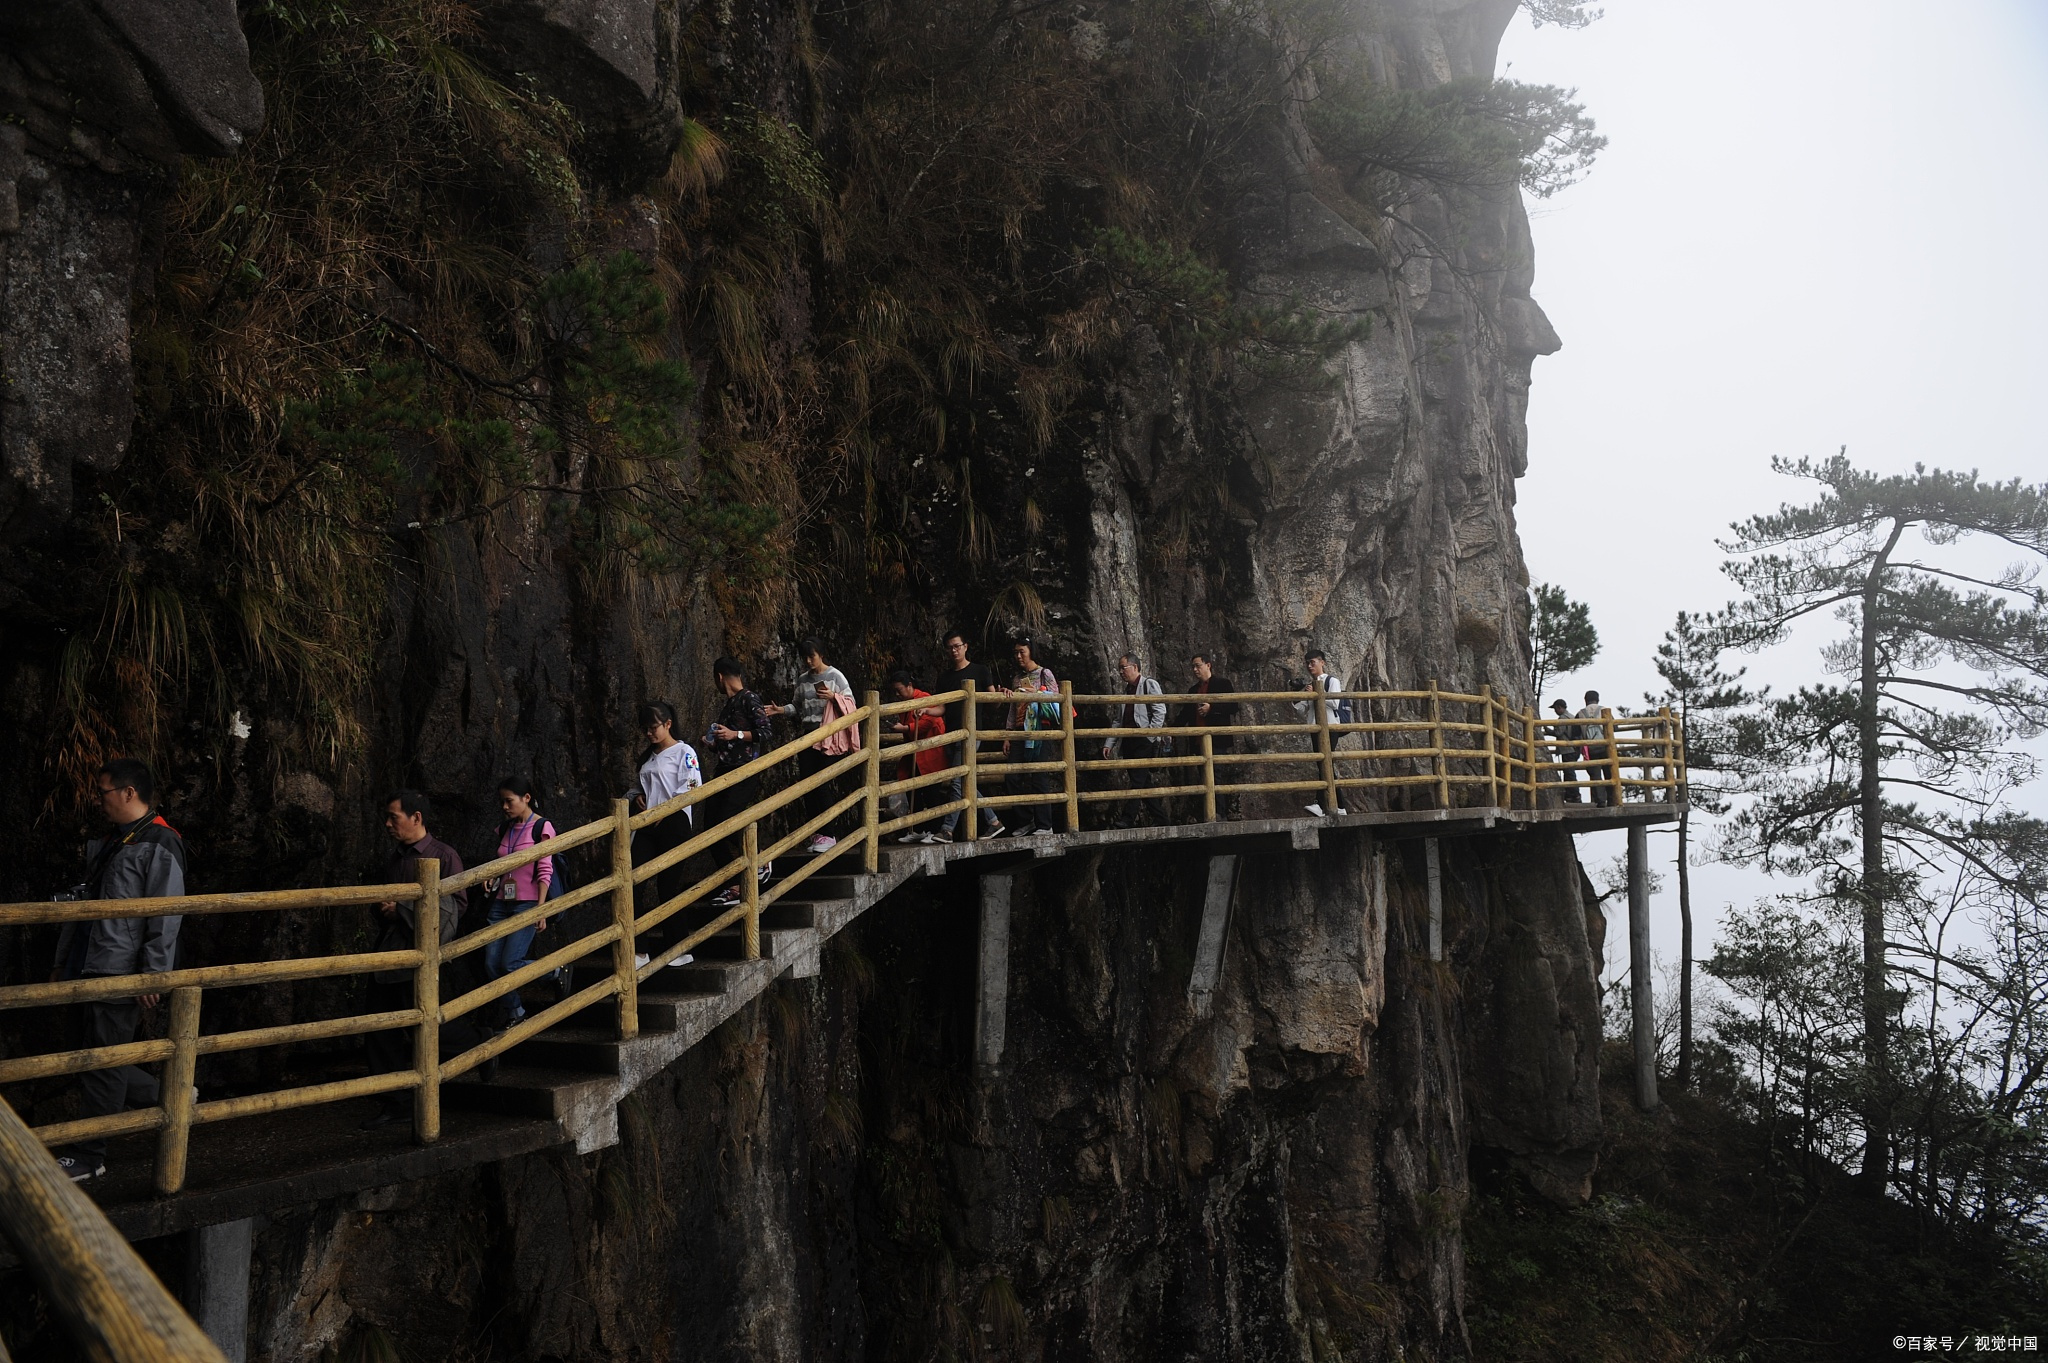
{"x":1209,"y":714}
{"x":405,"y":819}
{"x":143,"y":858}
{"x":735,"y":738}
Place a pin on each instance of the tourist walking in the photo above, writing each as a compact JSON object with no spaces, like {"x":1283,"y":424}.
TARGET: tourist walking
{"x":667,"y":769}
{"x":141,"y":857}
{"x":820,"y":680}
{"x":517,"y":891}
{"x":1599,"y":757}
{"x":1327,"y":683}
{"x":1136,"y":741}
{"x":1030,"y":717}
{"x":1565,"y":748}
{"x":954,"y":676}
{"x":405,"y":819}
{"x":915,"y":725}
{"x":1212,"y":713}
{"x":734,"y":739}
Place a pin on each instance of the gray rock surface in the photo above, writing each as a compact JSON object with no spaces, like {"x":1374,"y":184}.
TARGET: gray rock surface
{"x":103,"y":97}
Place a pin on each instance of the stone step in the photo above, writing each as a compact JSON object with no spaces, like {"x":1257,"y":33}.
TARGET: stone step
{"x":524,"y":1090}
{"x":681,"y":1011}
{"x":730,"y":945}
{"x":575,"y":1046}
{"x":828,"y":885}
{"x":800,"y":913}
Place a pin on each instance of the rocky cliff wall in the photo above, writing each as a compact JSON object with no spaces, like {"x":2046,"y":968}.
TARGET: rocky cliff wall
{"x":834,"y":1177}
{"x":831,"y":1177}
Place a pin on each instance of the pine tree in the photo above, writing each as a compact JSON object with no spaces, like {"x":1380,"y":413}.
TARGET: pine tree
{"x":1875,"y":785}
{"x":1561,"y":637}
{"x":1698,"y":686}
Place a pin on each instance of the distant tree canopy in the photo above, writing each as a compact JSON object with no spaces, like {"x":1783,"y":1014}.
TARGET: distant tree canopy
{"x":1563,"y":13}
{"x":1463,"y":134}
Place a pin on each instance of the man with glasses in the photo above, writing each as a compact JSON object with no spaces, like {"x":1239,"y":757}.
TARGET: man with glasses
{"x":954,"y":676}
{"x":142,"y":858}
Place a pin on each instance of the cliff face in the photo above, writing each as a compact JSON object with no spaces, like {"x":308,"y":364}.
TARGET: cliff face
{"x":833,"y":1177}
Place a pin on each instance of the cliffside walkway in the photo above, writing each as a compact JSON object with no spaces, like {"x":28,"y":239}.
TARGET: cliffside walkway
{"x":1422,"y":763}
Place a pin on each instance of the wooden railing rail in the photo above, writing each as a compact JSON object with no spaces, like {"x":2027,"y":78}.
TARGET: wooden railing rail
{"x":112,"y":1306}
{"x":1428,"y":747}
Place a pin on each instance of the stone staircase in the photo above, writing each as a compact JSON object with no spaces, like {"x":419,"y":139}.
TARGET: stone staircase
{"x":577,"y":1072}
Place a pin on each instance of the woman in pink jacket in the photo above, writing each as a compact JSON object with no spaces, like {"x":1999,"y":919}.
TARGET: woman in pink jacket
{"x":517,"y":891}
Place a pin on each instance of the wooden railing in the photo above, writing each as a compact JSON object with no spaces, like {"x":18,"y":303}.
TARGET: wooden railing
{"x":1429,"y":749}
{"x":110,"y":1303}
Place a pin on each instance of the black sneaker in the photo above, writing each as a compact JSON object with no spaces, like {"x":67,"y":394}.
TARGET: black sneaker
{"x":385,"y":1117}
{"x":82,"y":1168}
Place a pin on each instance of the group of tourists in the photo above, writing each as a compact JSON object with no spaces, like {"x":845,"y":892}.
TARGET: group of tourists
{"x":1574,"y":745}
{"x":144,"y":857}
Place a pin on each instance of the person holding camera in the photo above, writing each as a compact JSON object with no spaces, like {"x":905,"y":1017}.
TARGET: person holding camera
{"x":820,"y":680}
{"x":142,"y":858}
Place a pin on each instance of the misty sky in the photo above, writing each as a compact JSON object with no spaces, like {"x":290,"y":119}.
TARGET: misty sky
{"x":1817,"y":223}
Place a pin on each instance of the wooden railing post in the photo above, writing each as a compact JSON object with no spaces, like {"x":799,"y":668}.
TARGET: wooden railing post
{"x":1208,"y":778}
{"x":1613,"y":755}
{"x":175,"y":1093}
{"x":92,"y":1280}
{"x":1664,"y":727}
{"x":1069,"y":758}
{"x":1436,"y":743}
{"x":871,"y":855}
{"x":625,"y":965}
{"x":750,"y":926}
{"x":1492,"y":767}
{"x":970,"y":746}
{"x":1681,"y":790}
{"x":426,"y":996}
{"x":1325,"y":746}
{"x":1535,"y":748}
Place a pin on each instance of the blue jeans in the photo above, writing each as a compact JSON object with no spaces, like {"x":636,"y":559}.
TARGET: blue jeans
{"x":507,"y":954}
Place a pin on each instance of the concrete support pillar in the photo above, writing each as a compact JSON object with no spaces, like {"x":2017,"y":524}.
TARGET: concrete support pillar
{"x":1643,"y":1016}
{"x":217,"y":1284}
{"x":1376,"y":943}
{"x":1434,"y":860}
{"x":1209,"y":943}
{"x":992,"y":979}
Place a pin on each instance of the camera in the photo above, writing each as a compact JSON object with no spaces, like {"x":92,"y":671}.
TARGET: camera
{"x":74,"y":893}
{"x":1297,"y":683}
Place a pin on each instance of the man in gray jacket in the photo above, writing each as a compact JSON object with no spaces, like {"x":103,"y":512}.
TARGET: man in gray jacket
{"x":143,"y":858}
{"x":1144,"y":716}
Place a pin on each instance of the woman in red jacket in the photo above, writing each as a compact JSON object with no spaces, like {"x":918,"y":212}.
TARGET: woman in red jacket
{"x":914,"y":725}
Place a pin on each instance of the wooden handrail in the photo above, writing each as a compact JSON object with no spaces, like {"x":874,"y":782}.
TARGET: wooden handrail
{"x":1448,"y":744}
{"x":109,"y":1301}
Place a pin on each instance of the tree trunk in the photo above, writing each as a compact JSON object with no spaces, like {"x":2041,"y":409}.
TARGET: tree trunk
{"x":1871,"y":891}
{"x":1684,"y":957}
